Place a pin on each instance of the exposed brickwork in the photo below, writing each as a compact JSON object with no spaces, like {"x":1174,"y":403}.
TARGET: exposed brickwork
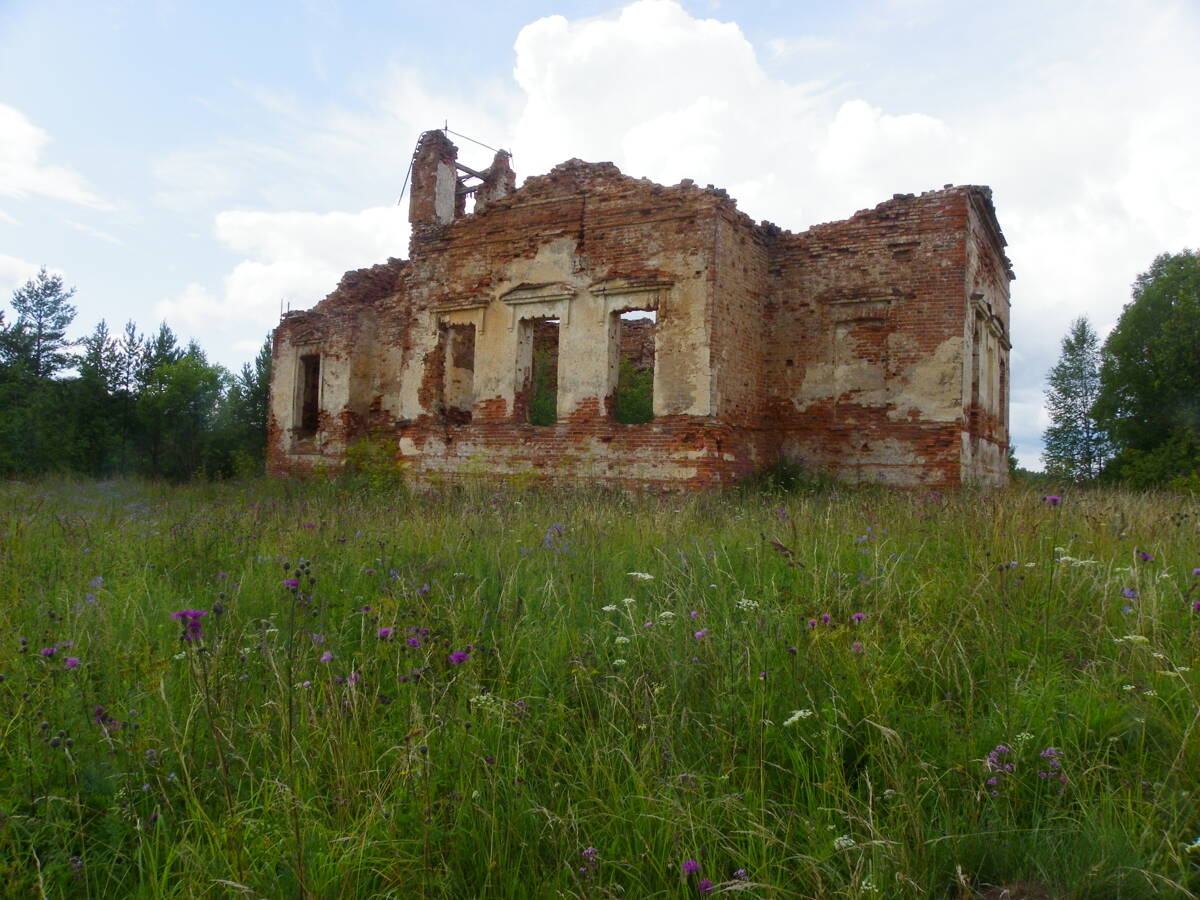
{"x":874,"y":348}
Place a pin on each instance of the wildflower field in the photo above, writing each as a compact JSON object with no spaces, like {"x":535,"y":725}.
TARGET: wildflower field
{"x":276,"y":690}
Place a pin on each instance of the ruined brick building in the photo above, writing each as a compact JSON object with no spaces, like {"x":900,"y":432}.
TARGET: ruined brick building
{"x":875,"y":348}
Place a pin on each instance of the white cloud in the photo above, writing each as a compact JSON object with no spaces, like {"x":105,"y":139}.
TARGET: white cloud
{"x":23,"y":174}
{"x":96,"y":233}
{"x":291,"y":257}
{"x":14,"y":272}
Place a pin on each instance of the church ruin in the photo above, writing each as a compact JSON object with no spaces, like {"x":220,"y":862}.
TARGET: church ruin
{"x":593,"y":326}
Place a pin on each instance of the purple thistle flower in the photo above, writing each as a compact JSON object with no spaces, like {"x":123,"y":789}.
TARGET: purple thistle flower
{"x":291,"y":582}
{"x":1129,"y":593}
{"x":856,"y":647}
{"x":326,"y":656}
{"x":1144,"y":556}
{"x":458,"y":657}
{"x":704,"y":886}
{"x":826,"y":618}
{"x":740,"y":875}
{"x":414,"y":642}
{"x":384,"y":633}
{"x":191,"y":623}
{"x":1196,"y":606}
{"x":70,"y":662}
{"x":648,"y":625}
{"x":858,"y":617}
{"x":1052,"y":499}
{"x":701,"y":634}
{"x":812,"y":623}
{"x":48,"y":651}
{"x":695,"y":615}
{"x":1196,"y":571}
{"x":689,"y":866}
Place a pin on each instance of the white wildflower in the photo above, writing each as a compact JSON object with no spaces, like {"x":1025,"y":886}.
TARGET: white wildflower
{"x":488,"y":702}
{"x":1159,"y":655}
{"x":1023,"y":738}
{"x":629,"y":601}
{"x":666,"y":615}
{"x":1136,"y":639}
{"x":796,"y":717}
{"x":641,"y":576}
{"x":1183,"y":668}
{"x":612,"y":607}
{"x":1150,"y":694}
{"x":1129,"y":687}
{"x":844,"y":842}
{"x":618,"y":662}
{"x":747,"y":604}
{"x":620,"y":639}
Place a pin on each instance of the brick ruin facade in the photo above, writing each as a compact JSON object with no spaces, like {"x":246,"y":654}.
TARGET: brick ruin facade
{"x":873,"y":349}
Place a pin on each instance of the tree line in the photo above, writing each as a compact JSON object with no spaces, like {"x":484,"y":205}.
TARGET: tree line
{"x":122,"y":403}
{"x":1128,"y":410}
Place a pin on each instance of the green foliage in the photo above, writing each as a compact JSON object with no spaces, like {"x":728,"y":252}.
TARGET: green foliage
{"x":39,"y":335}
{"x":635,"y":394}
{"x":520,"y":711}
{"x":138,"y":405}
{"x":1076,"y":448}
{"x":372,"y":463}
{"x":1149,"y":399}
{"x":543,"y":390}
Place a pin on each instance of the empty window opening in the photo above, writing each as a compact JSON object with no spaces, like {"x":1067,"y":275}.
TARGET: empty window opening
{"x":310,"y":393}
{"x":633,"y":396}
{"x":541,"y":380}
{"x":974,"y":421}
{"x":458,"y":384}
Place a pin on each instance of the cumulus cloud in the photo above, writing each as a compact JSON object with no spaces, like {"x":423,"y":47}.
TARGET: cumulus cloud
{"x":24,"y":174}
{"x":293,"y":258}
{"x":14,"y":272}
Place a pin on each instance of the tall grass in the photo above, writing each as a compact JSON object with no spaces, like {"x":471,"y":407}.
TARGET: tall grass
{"x":493,"y":692}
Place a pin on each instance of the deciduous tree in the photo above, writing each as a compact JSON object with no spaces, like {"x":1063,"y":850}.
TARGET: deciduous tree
{"x":1149,"y":398}
{"x":1076,"y":445}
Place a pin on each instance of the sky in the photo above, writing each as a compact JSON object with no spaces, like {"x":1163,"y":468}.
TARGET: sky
{"x":204,"y":164}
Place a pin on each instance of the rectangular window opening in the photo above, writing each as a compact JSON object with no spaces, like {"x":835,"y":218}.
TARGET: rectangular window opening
{"x":458,"y":373}
{"x":541,"y":377}
{"x":974,"y":413}
{"x":633,"y":394}
{"x":310,"y":394}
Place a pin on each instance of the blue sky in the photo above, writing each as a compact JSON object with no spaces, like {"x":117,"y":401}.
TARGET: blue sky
{"x":202,"y":162}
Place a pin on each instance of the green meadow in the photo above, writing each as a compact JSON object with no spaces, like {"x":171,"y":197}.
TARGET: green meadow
{"x":272,"y":689}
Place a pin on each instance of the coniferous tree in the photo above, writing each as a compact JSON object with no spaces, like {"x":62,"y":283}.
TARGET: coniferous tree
{"x":43,"y":316}
{"x":1076,"y":446}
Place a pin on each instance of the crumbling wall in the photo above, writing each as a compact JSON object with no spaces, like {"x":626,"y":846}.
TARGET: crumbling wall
{"x":869,"y":358}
